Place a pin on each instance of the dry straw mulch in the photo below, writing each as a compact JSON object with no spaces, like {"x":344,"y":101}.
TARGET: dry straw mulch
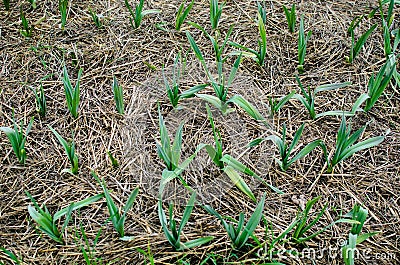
{"x":370,"y":177}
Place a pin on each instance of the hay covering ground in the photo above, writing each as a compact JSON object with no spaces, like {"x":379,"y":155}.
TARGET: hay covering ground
{"x":370,"y":177}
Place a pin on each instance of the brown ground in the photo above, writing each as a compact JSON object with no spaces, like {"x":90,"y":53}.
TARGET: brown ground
{"x":370,"y":177}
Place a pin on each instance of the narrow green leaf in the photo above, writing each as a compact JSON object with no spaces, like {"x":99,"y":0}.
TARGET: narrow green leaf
{"x":78,"y":205}
{"x":247,"y":107}
{"x":363,"y":237}
{"x":187,"y":213}
{"x":192,"y":91}
{"x":251,"y":224}
{"x":305,"y":151}
{"x":328,"y":87}
{"x":362,"y":145}
{"x":239,"y":182}
{"x":196,"y":242}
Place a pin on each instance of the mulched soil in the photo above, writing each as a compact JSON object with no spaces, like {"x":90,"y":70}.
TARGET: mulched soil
{"x":136,"y":57}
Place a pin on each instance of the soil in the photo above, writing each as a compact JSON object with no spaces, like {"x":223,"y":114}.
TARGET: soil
{"x":136,"y":57}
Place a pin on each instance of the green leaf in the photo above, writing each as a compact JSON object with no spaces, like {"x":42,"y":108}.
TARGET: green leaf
{"x":247,"y":107}
{"x":305,"y":151}
{"x":230,"y":161}
{"x":118,"y":96}
{"x":361,"y":41}
{"x":251,"y":224}
{"x":177,"y":147}
{"x":192,"y":91}
{"x":187,"y":212}
{"x":328,"y":87}
{"x":150,"y":11}
{"x":196,"y":242}
{"x":296,"y":139}
{"x":78,"y":205}
{"x":363,"y":237}
{"x":216,"y":102}
{"x":163,"y":221}
{"x":283,"y":101}
{"x":11,"y":255}
{"x":248,"y":52}
{"x":263,"y":43}
{"x":234,"y":70}
{"x":361,"y":146}
{"x":239,"y":182}
{"x":334,"y":113}
{"x":256,"y":142}
{"x":194,"y":46}
{"x":131,"y":200}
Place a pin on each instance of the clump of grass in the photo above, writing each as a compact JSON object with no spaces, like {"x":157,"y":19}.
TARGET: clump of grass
{"x":96,"y":19}
{"x":88,"y":247}
{"x":257,"y":55}
{"x":219,"y":85}
{"x":290,"y":17}
{"x":276,"y":105}
{"x":218,"y":48}
{"x":345,"y":144}
{"x":17,"y":138}
{"x":40,"y":100}
{"x":357,"y":46}
{"x":182,"y":14}
{"x":228,"y":164}
{"x":6,"y":4}
{"x":308,"y":99}
{"x":173,"y":92}
{"x":170,"y":154}
{"x":118,"y":96}
{"x":262,"y":10}
{"x":215,"y":12}
{"x":62,"y":6}
{"x":48,"y":223}
{"x":216,"y":154}
{"x":72,"y":94}
{"x":147,"y":254}
{"x":238,"y":232}
{"x":114,"y":161}
{"x":138,"y":15}
{"x":285,"y":150}
{"x":387,"y":23}
{"x":173,"y":232}
{"x":359,"y":215}
{"x":117,"y":219}
{"x":303,"y":225}
{"x":377,"y":84}
{"x":69,"y":148}
{"x":302,"y":45}
{"x":26,"y":30}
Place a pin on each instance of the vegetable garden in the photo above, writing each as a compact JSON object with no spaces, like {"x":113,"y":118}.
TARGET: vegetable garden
{"x":199,"y":132}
